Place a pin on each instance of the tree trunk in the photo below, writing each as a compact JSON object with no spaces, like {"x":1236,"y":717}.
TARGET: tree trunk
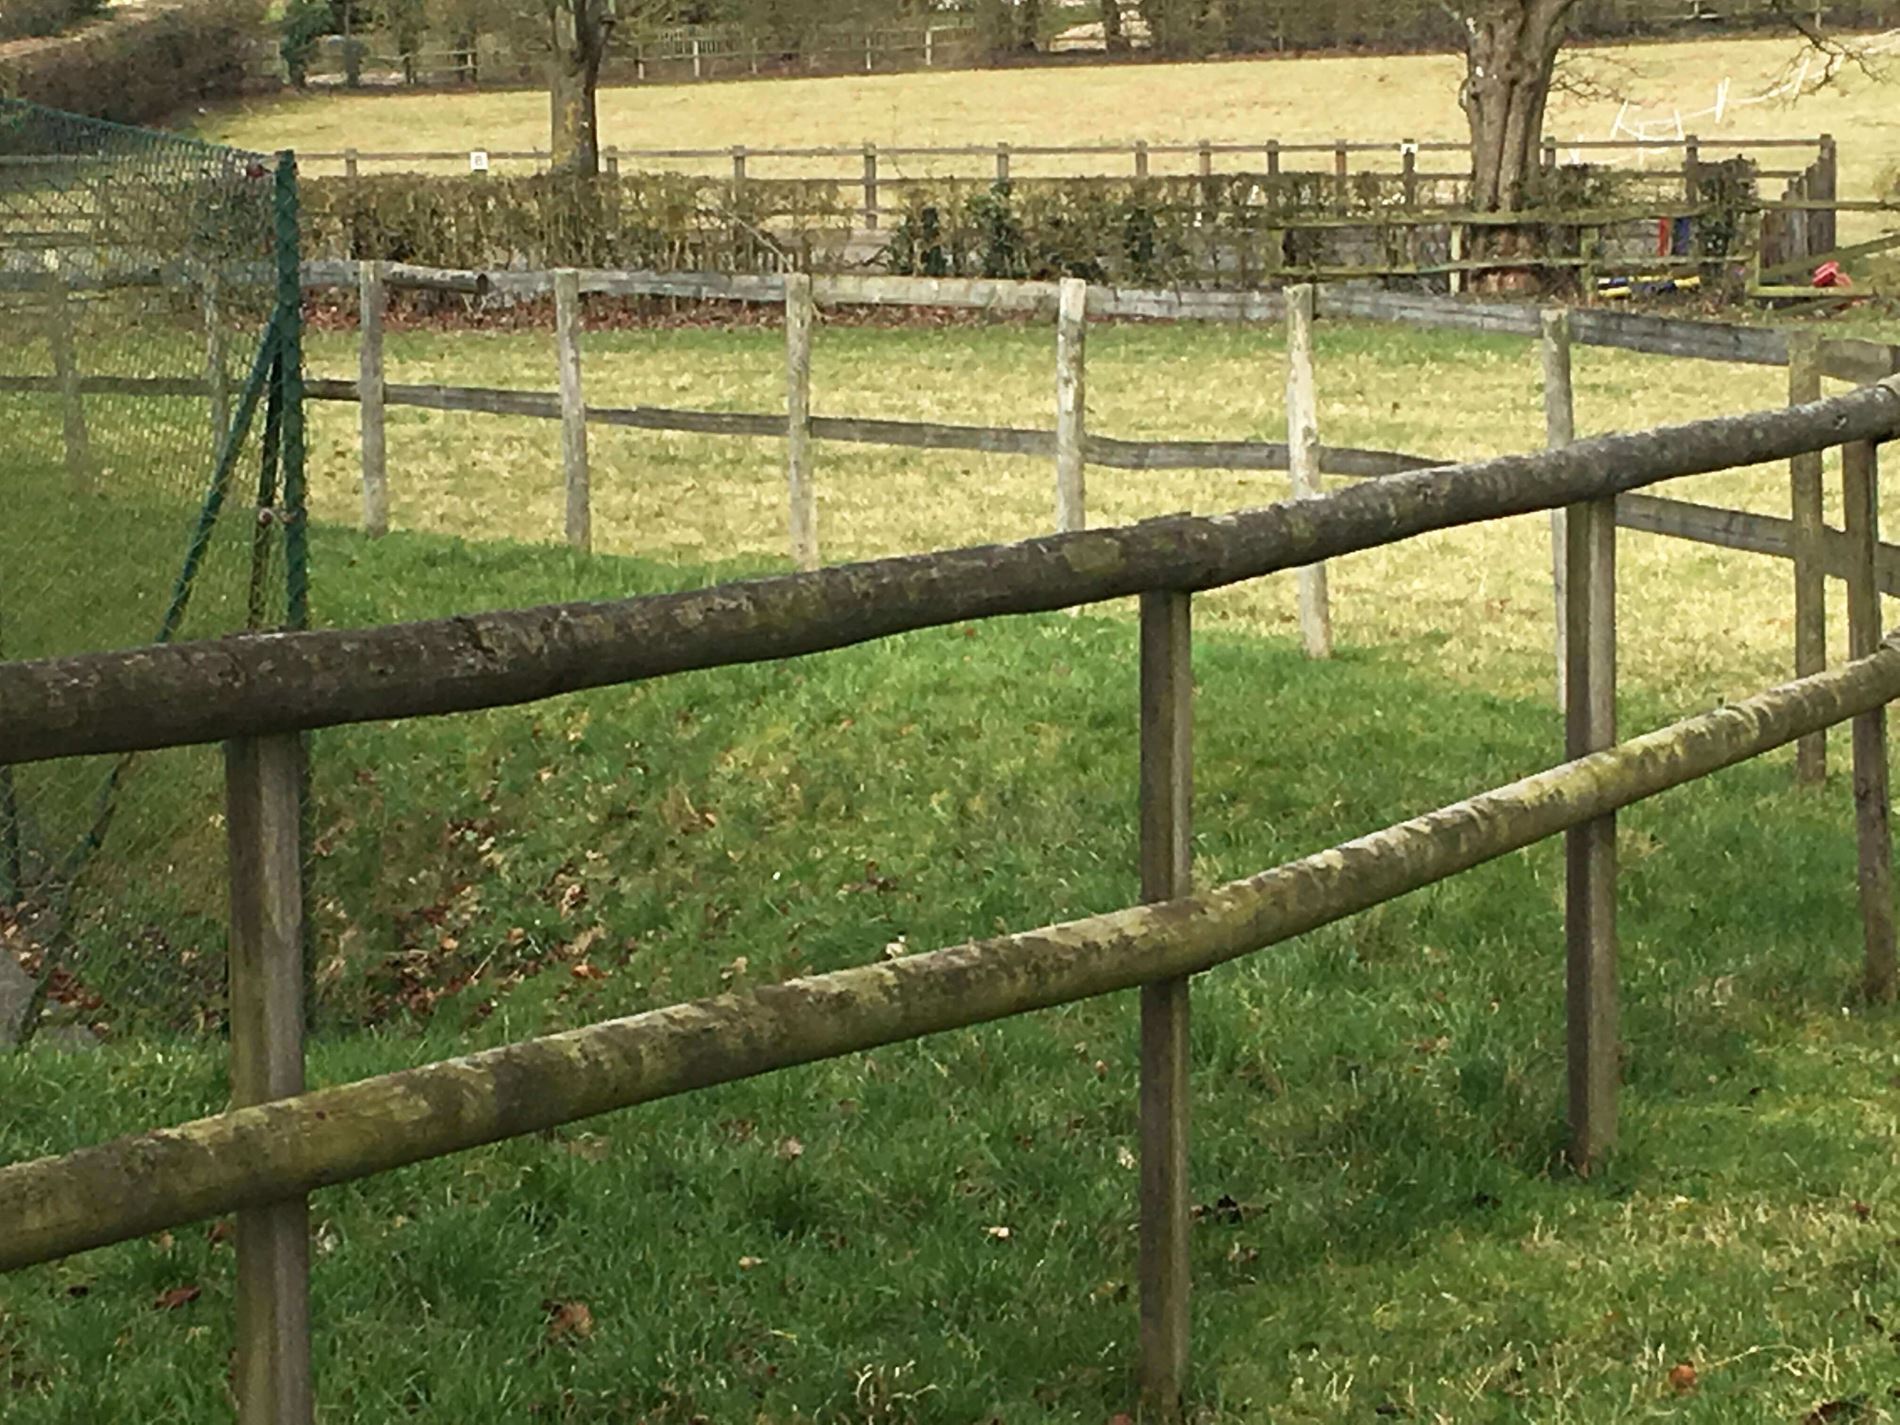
{"x":1113,"y":39}
{"x":1510,"y":56}
{"x":579,"y":42}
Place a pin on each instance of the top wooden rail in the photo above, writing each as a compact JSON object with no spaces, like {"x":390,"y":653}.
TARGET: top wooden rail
{"x":202,"y":692}
{"x":1846,"y":359}
{"x":1046,"y":150}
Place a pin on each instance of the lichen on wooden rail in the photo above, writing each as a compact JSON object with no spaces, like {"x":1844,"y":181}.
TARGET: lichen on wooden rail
{"x":184,"y":693}
{"x":53,"y":1207}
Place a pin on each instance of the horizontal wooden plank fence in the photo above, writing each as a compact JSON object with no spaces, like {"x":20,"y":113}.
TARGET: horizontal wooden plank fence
{"x":277,"y":1143}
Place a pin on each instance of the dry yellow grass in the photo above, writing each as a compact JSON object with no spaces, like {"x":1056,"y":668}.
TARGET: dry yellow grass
{"x":1293,"y":100}
{"x":1474,"y":604}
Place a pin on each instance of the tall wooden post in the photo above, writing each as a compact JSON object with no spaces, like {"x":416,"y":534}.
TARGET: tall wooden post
{"x":1141,"y":158}
{"x":1302,"y":441}
{"x":1071,"y":404}
{"x":1002,"y":163}
{"x":1590,"y":849}
{"x":1167,"y":789}
{"x":1824,"y":187}
{"x":373,"y":298}
{"x":801,"y":487}
{"x":567,"y":323}
{"x":263,"y":786}
{"x":1560,"y":428}
{"x":870,"y":186}
{"x":78,"y":441}
{"x":1810,"y":569}
{"x":1861,"y":486}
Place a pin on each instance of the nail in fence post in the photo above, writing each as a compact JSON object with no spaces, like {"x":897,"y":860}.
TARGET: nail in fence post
{"x":373,"y":300}
{"x":1560,"y":429}
{"x":1302,"y":442}
{"x":1071,"y":404}
{"x":1167,"y":790}
{"x":1861,"y":483}
{"x":1810,"y":572}
{"x":567,"y":322}
{"x":1590,"y":849}
{"x":802,"y":490}
{"x":263,"y":788}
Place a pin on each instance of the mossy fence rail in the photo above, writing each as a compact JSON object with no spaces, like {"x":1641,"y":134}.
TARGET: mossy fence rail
{"x":258,"y":693}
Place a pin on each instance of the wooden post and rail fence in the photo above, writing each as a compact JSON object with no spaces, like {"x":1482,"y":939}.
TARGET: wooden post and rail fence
{"x":1816,"y":551}
{"x":258,"y":693}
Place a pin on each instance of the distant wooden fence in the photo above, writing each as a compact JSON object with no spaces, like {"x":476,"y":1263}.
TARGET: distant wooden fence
{"x":258,"y":693}
{"x":1802,"y":537}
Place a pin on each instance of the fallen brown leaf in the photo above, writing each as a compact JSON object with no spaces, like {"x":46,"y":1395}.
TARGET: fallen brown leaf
{"x":178,"y":1296}
{"x":1682,"y":1378}
{"x":569,"y":1319}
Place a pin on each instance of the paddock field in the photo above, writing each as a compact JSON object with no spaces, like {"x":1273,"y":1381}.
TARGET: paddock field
{"x":1294,"y":100}
{"x":1473,"y":605}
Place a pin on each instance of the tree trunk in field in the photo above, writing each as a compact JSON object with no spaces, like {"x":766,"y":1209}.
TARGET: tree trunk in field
{"x":1113,"y":40}
{"x":580,"y":30}
{"x":1510,"y":57}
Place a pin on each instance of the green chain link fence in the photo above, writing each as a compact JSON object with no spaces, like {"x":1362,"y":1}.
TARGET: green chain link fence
{"x":151,"y":467}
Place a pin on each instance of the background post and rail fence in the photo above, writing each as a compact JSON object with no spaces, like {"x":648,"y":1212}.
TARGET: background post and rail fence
{"x":259,"y":694}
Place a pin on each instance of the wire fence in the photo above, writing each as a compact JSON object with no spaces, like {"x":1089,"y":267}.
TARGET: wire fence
{"x":128,"y":258}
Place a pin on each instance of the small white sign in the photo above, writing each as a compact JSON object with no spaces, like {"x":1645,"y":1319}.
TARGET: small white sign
{"x":478,"y":160}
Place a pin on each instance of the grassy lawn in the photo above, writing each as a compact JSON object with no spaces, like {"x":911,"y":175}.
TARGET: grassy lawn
{"x":1293,"y":100}
{"x":1384,"y":1233}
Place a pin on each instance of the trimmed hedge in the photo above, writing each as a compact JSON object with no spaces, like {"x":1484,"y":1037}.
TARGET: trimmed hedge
{"x":135,"y":66}
{"x":649,"y":220}
{"x":1225,"y":229}
{"x":23,"y":18}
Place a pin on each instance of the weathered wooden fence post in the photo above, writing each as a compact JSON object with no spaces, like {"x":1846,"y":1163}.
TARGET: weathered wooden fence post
{"x":1560,"y":428}
{"x":1167,"y":791}
{"x":1071,"y":404}
{"x":217,"y":376}
{"x":373,"y":300}
{"x":870,"y":186}
{"x":1824,"y":187}
{"x":567,"y":323}
{"x":1810,"y":568}
{"x":1590,"y":849}
{"x":1861,"y":487}
{"x":1302,"y":444}
{"x":66,"y":372}
{"x":263,"y":790}
{"x":801,"y":488}
{"x":1002,"y":163}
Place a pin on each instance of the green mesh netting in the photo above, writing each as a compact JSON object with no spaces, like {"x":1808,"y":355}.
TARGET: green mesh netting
{"x":151,"y":473}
